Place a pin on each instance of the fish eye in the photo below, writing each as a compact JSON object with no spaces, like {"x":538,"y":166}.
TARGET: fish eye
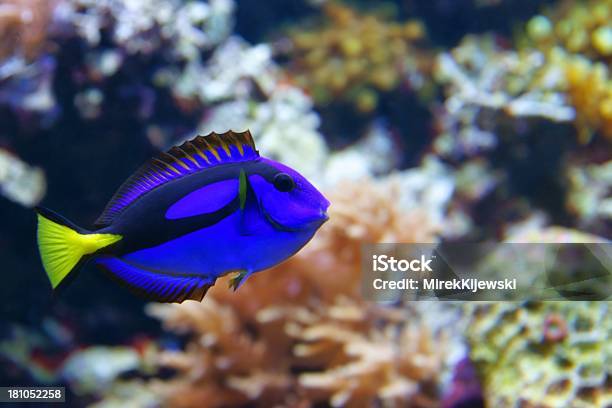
{"x":284,"y":182}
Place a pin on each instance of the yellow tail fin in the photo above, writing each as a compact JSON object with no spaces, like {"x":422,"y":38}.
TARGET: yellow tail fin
{"x":61,"y":246}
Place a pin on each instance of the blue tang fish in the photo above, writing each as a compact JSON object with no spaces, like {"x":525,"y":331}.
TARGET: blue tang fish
{"x":188,"y":216}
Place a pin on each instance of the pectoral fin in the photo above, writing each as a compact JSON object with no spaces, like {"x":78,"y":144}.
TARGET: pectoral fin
{"x":238,"y":279}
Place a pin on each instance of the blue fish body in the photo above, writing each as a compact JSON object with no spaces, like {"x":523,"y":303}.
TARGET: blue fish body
{"x":212,"y":251}
{"x":206,"y":208}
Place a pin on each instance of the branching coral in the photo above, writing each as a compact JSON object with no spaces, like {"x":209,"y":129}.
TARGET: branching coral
{"x":486,"y":83}
{"x":353,"y":56}
{"x":177,"y":33}
{"x":235,"y":70}
{"x":525,"y":361}
{"x":145,"y":26}
{"x":344,"y":353}
{"x":559,"y":74}
{"x":481,"y":73}
{"x":170,"y":38}
{"x":496,"y":95}
{"x":224,"y":365}
{"x":357,"y":355}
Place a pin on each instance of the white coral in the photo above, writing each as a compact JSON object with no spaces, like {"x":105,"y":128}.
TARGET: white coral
{"x":142,"y":25}
{"x":20,"y":182}
{"x":285,"y":128}
{"x":589,"y":195}
{"x":482,"y":80}
{"x":233,"y":71}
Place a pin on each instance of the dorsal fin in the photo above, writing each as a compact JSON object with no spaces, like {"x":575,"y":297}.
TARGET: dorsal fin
{"x":193,"y":156}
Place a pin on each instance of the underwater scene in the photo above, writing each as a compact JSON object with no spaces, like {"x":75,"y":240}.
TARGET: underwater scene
{"x":232,"y":168}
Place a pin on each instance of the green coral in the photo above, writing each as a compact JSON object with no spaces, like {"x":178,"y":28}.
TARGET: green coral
{"x":544,"y":354}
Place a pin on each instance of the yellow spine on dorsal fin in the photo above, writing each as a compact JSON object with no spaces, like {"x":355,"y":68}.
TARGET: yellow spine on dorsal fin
{"x":61,"y":247}
{"x":224,"y":146}
{"x":211,"y":149}
{"x":239,"y":147}
{"x":235,"y":141}
{"x":188,"y":156}
{"x":199,"y":152}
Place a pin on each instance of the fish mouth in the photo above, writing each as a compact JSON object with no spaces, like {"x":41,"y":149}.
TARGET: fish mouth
{"x":324,"y":217}
{"x":315,"y":223}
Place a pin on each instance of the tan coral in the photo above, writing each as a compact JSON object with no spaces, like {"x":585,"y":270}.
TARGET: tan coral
{"x":394,"y":363}
{"x":222,"y":365}
{"x":354,"y":353}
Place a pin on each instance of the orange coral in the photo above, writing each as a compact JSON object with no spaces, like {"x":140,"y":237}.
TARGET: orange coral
{"x":301,"y":333}
{"x":223,"y":365}
{"x":347,"y":353}
{"x":577,"y":36}
{"x":23,"y":26}
{"x":580,"y":27}
{"x":590,"y":90}
{"x":359,"y":362}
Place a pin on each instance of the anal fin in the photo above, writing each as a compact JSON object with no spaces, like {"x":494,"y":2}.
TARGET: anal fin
{"x":154,"y":285}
